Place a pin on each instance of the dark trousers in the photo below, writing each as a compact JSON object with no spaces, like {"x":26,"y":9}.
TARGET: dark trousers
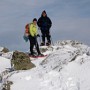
{"x":33,"y":42}
{"x":45,"y":33}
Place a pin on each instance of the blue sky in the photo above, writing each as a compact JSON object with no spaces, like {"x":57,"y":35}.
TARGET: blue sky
{"x":71,"y":20}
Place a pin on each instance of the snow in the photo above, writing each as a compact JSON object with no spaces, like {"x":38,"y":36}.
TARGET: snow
{"x":4,"y":64}
{"x":1,"y":48}
{"x":8,"y":55}
{"x":67,"y":67}
{"x":77,"y":75}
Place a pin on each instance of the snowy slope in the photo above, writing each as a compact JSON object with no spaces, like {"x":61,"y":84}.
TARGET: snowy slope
{"x":66,"y":68}
{"x":5,"y":61}
{"x":4,"y":64}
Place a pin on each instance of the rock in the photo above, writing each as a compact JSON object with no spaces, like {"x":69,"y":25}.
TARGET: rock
{"x":7,"y":85}
{"x":21,"y":61}
{"x":5,"y":50}
{"x":68,"y":42}
{"x":43,"y":49}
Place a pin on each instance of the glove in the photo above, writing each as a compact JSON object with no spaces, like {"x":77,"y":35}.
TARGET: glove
{"x":26,"y":34}
{"x":25,"y":38}
{"x":38,"y":35}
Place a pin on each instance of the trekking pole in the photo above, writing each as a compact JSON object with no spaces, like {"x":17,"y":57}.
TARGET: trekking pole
{"x":36,"y":41}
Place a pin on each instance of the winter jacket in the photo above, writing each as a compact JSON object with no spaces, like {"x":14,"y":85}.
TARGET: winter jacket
{"x":33,"y":30}
{"x":44,"y":23}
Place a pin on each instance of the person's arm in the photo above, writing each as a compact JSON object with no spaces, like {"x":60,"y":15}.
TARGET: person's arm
{"x":39,"y":22}
{"x":31,"y":30}
{"x":49,"y":22}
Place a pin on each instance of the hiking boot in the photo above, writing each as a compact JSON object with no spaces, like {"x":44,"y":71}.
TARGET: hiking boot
{"x":32,"y":55}
{"x":40,"y":55}
{"x":42,"y":44}
{"x":47,"y":44}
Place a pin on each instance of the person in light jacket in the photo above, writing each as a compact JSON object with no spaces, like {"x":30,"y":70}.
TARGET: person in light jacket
{"x":33,"y":37}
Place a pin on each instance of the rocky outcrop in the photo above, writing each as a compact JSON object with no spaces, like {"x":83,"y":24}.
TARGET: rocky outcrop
{"x":68,"y":42}
{"x":21,"y":61}
{"x":5,"y":50}
{"x":66,"y":51}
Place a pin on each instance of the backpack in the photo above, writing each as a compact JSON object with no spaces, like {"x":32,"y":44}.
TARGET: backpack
{"x":27,"y":29}
{"x":27,"y":33}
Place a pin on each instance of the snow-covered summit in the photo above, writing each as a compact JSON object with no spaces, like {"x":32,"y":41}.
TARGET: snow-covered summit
{"x":64,"y":69}
{"x":67,"y":51}
{"x":69,"y":42}
{"x":67,"y":67}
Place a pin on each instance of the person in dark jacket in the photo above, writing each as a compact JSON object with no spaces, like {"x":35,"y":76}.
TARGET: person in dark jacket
{"x":45,"y":24}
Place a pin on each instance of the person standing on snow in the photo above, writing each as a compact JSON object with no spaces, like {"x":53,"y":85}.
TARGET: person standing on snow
{"x":45,"y":24}
{"x":33,"y":38}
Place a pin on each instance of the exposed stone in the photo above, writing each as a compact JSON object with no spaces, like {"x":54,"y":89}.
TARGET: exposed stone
{"x":43,"y":49}
{"x":7,"y":85}
{"x":5,"y":50}
{"x":68,"y":42}
{"x":21,"y":61}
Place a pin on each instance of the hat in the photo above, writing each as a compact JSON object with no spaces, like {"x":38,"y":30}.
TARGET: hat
{"x":44,"y":12}
{"x":34,"y":19}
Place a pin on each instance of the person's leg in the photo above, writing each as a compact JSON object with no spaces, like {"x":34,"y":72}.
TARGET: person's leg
{"x":31,"y":49}
{"x":43,"y":36}
{"x":31,"y":39}
{"x":48,"y":36}
{"x":37,"y":48}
